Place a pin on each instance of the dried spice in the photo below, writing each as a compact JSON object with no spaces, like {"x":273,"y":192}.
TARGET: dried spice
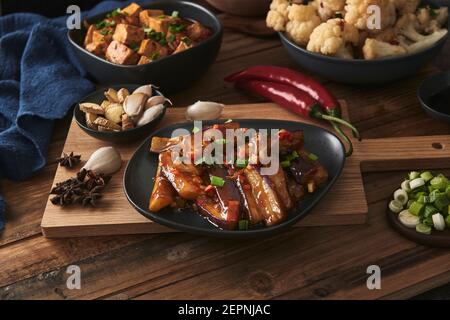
{"x":84,"y":189}
{"x":69,"y":160}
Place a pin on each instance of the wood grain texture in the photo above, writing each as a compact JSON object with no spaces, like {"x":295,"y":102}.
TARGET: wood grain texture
{"x":114,"y":214}
{"x":303,"y":263}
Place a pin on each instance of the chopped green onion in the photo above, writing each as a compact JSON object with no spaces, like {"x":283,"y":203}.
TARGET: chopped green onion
{"x":441,"y":201}
{"x":175,"y":14}
{"x":409,"y":203}
{"x":438,"y":183}
{"x":447,"y":221}
{"x":172,"y":38}
{"x":243,"y":225}
{"x":426,"y":176}
{"x":413,"y":175}
{"x":405,"y":186}
{"x":429,"y":210}
{"x":313,"y":157}
{"x":154,"y":55}
{"x":195,"y":130}
{"x":438,"y":221}
{"x":401,"y":196}
{"x":217,"y":181}
{"x":241,"y":163}
{"x":416,"y":183}
{"x":428,"y":221}
{"x":220,"y":141}
{"x":422,"y":228}
{"x":395,"y":206}
{"x":294,"y":155}
{"x":416,"y":208}
{"x":285,"y":163}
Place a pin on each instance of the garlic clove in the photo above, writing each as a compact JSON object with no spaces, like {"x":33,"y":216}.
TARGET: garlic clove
{"x":114,"y":112}
{"x":204,"y":110}
{"x":111,"y":95}
{"x":155,"y":100}
{"x":134,"y":104}
{"x":122,"y":94}
{"x":150,"y":115}
{"x":146,"y":89}
{"x":106,"y":160}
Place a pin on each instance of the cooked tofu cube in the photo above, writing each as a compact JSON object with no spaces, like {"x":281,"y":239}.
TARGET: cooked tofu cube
{"x":104,"y":35}
{"x":132,"y":10}
{"x":158,"y":23}
{"x":197,"y":32}
{"x":181,"y":47}
{"x":144,"y":60}
{"x":144,"y":15}
{"x":89,"y":35}
{"x":128,"y":34}
{"x":148,"y":47}
{"x":121,"y":54}
{"x":97,"y":48}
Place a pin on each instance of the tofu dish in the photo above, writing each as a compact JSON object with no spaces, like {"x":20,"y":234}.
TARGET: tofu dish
{"x":238,"y":194}
{"x":135,"y":36}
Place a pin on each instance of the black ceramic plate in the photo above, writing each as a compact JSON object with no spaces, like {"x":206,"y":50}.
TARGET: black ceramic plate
{"x":439,"y":239}
{"x":117,"y":137}
{"x":141,"y":169}
{"x":171,"y":73}
{"x":429,"y":87}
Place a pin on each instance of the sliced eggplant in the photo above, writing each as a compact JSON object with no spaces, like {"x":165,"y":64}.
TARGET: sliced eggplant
{"x":279,"y":184}
{"x":250,"y":207}
{"x":163,"y":193}
{"x":213,"y":211}
{"x":265,"y":197}
{"x":187,"y":184}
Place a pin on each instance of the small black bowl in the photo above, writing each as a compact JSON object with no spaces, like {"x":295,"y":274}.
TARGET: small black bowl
{"x":116,"y":137}
{"x":172,"y":73}
{"x":360,"y":71}
{"x":430,"y":87}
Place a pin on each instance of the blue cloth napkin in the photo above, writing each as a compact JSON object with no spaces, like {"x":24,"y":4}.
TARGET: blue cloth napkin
{"x":40,"y":79}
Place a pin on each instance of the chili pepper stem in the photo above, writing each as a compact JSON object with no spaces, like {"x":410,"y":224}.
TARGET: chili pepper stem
{"x":338,"y":129}
{"x":343,"y":122}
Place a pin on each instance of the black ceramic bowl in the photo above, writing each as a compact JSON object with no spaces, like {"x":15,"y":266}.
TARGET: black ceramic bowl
{"x":141,"y":169}
{"x":429,"y":88}
{"x":359,"y":71}
{"x":116,"y":137}
{"x":171,"y":73}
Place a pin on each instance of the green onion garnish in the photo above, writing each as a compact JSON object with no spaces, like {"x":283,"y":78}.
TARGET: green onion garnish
{"x":220,"y":141}
{"x":241,"y":163}
{"x":416,"y":208}
{"x":175,"y":14}
{"x":285,"y":163}
{"x":313,"y":157}
{"x":292,"y":156}
{"x":217,"y":181}
{"x":195,"y":130}
{"x":243,"y":225}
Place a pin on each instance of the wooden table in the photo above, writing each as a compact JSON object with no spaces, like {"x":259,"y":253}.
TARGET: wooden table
{"x":325,"y":262}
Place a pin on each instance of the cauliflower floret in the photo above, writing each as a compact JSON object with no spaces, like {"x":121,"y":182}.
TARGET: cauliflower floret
{"x":333,"y":37}
{"x":356,"y":13}
{"x":406,"y":6}
{"x":430,"y":19}
{"x":329,"y":8}
{"x":277,"y":17}
{"x":303,"y":19}
{"x":375,"y":49}
{"x":407,"y":27}
{"x":387,"y":35}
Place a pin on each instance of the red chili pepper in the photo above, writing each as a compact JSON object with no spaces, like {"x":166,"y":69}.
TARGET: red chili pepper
{"x":293,"y":99}
{"x":233,"y":210}
{"x":293,"y":78}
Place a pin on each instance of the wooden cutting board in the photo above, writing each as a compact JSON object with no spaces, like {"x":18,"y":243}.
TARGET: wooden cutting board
{"x":344,"y":204}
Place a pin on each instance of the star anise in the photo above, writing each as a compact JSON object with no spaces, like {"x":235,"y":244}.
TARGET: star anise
{"x":85,"y":189}
{"x":69,"y":160}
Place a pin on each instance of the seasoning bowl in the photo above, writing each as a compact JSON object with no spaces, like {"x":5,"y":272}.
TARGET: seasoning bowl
{"x":116,"y":137}
{"x":174,"y":72}
{"x":430,"y":87}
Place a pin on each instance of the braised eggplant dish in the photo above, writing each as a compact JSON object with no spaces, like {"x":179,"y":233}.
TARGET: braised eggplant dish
{"x":135,"y":36}
{"x":237,"y":194}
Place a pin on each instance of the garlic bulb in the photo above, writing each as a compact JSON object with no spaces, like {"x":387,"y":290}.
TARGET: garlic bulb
{"x":106,"y":160}
{"x":204,"y":110}
{"x":147,"y":90}
{"x":150,"y":114}
{"x":134,"y":104}
{"x":155,"y":100}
